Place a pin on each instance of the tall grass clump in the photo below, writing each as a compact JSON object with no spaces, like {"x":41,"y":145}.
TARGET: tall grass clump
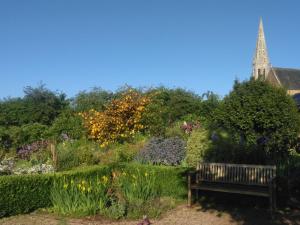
{"x":80,"y":196}
{"x":138,"y":190}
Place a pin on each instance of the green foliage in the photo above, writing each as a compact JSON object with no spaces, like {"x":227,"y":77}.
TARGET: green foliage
{"x":198,"y":145}
{"x":29,"y":192}
{"x":26,"y":134}
{"x":26,"y":193}
{"x":168,"y":106}
{"x":124,"y":152}
{"x":39,"y":105}
{"x":138,"y":186}
{"x":43,"y":105}
{"x":80,"y":197}
{"x":67,"y":123}
{"x":116,"y":210}
{"x":5,"y":141}
{"x":149,"y":190}
{"x":133,"y":189}
{"x":176,"y":130}
{"x":25,"y":120}
{"x":294,"y":173}
{"x":209,"y":104}
{"x":259,"y":117}
{"x":170,"y":179}
{"x":11,"y":112}
{"x":95,"y":99}
{"x":23,"y":194}
{"x":75,"y":153}
{"x":225,"y":150}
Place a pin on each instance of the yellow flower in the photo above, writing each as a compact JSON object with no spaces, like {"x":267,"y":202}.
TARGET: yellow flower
{"x":146,"y":174}
{"x":65,"y":186}
{"x":105,"y":179}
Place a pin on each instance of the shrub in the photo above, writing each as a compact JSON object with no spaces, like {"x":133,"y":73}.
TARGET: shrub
{"x":67,"y":123}
{"x":260,"y":118}
{"x":176,"y":131}
{"x":169,"y":151}
{"x":39,"y":105}
{"x":25,"y":151}
{"x":125,"y":152}
{"x":22,"y":194}
{"x":294,"y":174}
{"x":168,"y":106}
{"x":74,"y":153}
{"x":119,"y":121}
{"x":198,"y":145}
{"x":225,"y":150}
{"x":26,"y":134}
{"x":96,"y":99}
{"x":183,"y":129}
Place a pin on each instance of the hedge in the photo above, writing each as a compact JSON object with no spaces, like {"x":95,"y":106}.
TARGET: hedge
{"x":26,"y":193}
{"x":171,"y":179}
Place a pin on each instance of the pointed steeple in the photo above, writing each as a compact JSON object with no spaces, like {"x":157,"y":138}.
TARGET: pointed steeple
{"x":261,"y":62}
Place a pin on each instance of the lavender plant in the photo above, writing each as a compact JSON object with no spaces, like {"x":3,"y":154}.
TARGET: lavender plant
{"x":170,"y":151}
{"x":25,"y":151}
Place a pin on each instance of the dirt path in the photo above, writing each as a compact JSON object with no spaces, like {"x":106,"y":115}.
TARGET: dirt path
{"x":179,"y":216}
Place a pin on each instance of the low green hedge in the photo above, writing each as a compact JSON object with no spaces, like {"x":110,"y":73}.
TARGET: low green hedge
{"x":26,"y":193}
{"x":22,"y":194}
{"x":171,"y":179}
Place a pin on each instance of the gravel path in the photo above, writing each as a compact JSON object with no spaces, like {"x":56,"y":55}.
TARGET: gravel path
{"x":182,"y":215}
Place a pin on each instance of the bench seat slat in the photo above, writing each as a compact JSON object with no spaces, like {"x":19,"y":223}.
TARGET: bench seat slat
{"x":236,"y":190}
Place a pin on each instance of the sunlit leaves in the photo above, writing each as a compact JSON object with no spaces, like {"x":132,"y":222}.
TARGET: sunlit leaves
{"x":120,"y":120}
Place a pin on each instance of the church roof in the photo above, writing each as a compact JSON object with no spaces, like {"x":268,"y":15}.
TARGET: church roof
{"x":289,"y":78}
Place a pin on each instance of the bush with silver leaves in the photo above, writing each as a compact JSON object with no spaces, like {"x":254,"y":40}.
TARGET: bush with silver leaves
{"x":170,"y":151}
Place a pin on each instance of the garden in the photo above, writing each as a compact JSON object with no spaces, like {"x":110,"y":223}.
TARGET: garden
{"x":125,"y":155}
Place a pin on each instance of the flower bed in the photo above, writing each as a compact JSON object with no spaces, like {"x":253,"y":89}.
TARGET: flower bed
{"x":22,"y":194}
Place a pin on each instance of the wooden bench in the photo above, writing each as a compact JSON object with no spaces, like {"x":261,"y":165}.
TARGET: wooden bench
{"x":254,"y":180}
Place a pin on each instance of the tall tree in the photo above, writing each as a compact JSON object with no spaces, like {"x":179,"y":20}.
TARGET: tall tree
{"x":262,"y":119}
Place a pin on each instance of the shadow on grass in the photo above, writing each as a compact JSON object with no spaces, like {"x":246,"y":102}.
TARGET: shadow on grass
{"x":245,"y":210}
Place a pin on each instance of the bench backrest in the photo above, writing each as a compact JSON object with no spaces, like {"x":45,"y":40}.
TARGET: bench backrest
{"x":235,"y":173}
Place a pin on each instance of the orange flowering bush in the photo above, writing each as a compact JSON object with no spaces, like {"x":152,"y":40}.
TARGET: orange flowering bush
{"x":120,"y":120}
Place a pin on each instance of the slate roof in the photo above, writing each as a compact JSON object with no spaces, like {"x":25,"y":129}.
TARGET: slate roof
{"x":289,"y":78}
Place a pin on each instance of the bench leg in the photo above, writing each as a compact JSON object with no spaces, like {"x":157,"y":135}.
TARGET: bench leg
{"x":190,"y":197}
{"x":274,"y":197}
{"x":271,"y":195}
{"x":189,"y":191}
{"x":271,"y":205}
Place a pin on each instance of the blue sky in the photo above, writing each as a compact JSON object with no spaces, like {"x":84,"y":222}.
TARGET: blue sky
{"x":73,"y":45}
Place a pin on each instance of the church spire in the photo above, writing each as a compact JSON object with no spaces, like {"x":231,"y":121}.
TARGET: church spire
{"x":261,"y":63}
